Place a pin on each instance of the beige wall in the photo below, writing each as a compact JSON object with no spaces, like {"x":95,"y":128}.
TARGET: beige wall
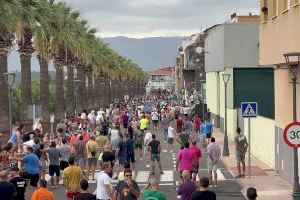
{"x":283,"y":98}
{"x":262,"y":139}
{"x":212,"y":91}
{"x":279,"y":35}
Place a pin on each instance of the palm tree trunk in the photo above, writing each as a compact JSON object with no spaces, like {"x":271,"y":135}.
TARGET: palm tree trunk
{"x":97,"y":88}
{"x":4,"y":118}
{"x":59,"y":109}
{"x":26,"y":96}
{"x":70,"y":97}
{"x":44,"y":92}
{"x":90,"y":90}
{"x":82,"y":94}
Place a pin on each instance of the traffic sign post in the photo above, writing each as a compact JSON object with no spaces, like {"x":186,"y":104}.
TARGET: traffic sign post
{"x":249,"y":110}
{"x":291,"y":134}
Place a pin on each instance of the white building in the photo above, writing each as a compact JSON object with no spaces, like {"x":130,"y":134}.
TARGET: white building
{"x":161,"y":78}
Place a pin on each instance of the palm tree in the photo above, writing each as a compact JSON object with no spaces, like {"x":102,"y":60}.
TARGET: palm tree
{"x":8,"y":10}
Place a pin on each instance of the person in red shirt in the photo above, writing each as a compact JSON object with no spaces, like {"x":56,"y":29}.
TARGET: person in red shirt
{"x":197,"y":123}
{"x":196,"y":161}
{"x":73,"y":140}
{"x":179,"y":125}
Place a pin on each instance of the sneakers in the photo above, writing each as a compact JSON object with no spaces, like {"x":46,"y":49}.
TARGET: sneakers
{"x":152,"y":173}
{"x":165,"y":151}
{"x":240,"y":176}
{"x":57,"y":187}
{"x":161,"y":172}
{"x":52,"y":186}
{"x":147,"y":165}
{"x":141,"y":159}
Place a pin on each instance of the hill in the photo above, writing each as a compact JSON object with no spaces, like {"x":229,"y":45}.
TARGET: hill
{"x":149,"y":53}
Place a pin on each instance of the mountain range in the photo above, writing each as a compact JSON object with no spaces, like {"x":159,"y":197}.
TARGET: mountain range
{"x":149,"y":53}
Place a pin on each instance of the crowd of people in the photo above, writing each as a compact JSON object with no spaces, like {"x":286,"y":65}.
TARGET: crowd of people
{"x":113,"y":139}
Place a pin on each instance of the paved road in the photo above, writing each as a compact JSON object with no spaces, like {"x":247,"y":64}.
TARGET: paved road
{"x":227,"y":188}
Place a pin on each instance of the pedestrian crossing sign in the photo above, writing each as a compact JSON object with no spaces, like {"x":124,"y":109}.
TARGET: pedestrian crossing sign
{"x":249,"y":109}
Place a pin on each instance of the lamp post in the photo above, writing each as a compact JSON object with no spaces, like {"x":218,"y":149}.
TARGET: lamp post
{"x":115,"y":100}
{"x":293,"y":63}
{"x":76,"y":83}
{"x":225,"y":149}
{"x":102,"y":89}
{"x":10,"y":80}
{"x":51,"y":122}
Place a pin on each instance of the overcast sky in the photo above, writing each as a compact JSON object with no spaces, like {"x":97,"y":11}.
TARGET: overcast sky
{"x":149,"y":18}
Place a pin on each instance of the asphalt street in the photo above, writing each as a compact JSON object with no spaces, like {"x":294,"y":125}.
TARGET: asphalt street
{"x":227,"y":188}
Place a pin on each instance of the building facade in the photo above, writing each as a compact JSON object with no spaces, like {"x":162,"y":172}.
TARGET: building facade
{"x":279,"y":34}
{"x":233,"y":48}
{"x":162,"y":78}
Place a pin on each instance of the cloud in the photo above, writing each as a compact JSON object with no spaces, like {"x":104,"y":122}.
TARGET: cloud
{"x":144,"y":18}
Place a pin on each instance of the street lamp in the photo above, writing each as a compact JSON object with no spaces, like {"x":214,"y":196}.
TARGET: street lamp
{"x":76,"y":84}
{"x":10,"y":80}
{"x":226,"y":78}
{"x":115,"y":100}
{"x":293,"y":63}
{"x":52,"y":122}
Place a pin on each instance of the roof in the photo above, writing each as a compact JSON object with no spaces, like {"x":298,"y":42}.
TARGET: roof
{"x":166,"y":71}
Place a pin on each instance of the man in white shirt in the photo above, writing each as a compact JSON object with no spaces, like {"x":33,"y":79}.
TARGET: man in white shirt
{"x":104,"y":190}
{"x":171,"y":136}
{"x":147,"y":139}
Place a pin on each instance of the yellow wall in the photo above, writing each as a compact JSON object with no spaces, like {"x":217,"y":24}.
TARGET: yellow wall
{"x":231,"y":122}
{"x":285,"y":30}
{"x":262,"y":139}
{"x":283,"y":98}
{"x":212,"y":92}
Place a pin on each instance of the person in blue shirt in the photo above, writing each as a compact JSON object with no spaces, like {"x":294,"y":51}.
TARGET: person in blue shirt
{"x":208,"y":130}
{"x":32,"y":167}
{"x":202,"y":134}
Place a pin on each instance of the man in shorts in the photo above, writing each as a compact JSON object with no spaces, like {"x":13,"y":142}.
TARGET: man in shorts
{"x":120,"y":154}
{"x":91,"y":149}
{"x":154,"y":148}
{"x":171,"y":136}
{"x":147,"y":139}
{"x":80,"y":152}
{"x":208,"y":130}
{"x":214,"y":155}
{"x":139,"y":137}
{"x":54,"y":164}
{"x":241,"y":146}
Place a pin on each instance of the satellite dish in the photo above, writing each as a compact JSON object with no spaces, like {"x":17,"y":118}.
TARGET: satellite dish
{"x":199,"y":50}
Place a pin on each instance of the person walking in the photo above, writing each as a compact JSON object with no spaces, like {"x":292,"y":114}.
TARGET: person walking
{"x":104,"y":190}
{"x":185,"y":159}
{"x":120,"y":154}
{"x":214,"y":155}
{"x":165,"y":122}
{"x":114,"y":138}
{"x":139,"y":137}
{"x":84,"y":194}
{"x":130,"y":157}
{"x":171,"y":135}
{"x":147,"y":139}
{"x":91,"y":149}
{"x":42,"y":192}
{"x":208,"y":128}
{"x":155,"y":118}
{"x":196,"y":161}
{"x":54,"y":168}
{"x":151,"y":191}
{"x":19,"y":183}
{"x":127,"y":189}
{"x":155,"y":149}
{"x":80,"y":152}
{"x":65,"y":153}
{"x":241,"y":146}
{"x":187,"y":187}
{"x":203,"y":192}
{"x":72,"y":176}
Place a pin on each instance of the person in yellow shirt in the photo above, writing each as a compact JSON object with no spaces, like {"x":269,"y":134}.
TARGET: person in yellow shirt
{"x":72,"y":176}
{"x":144,"y":123}
{"x":91,"y":149}
{"x":42,"y":192}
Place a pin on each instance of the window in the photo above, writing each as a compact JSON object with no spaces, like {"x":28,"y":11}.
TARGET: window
{"x":283,"y":5}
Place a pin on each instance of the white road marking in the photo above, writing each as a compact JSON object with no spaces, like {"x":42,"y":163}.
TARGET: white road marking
{"x":220,"y":175}
{"x":167,"y":176}
{"x":142,"y":176}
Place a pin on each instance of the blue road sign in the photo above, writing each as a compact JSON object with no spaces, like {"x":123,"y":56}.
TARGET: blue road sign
{"x":249,"y":109}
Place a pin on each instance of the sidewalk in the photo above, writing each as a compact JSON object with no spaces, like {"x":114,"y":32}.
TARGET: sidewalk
{"x":268,"y":185}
